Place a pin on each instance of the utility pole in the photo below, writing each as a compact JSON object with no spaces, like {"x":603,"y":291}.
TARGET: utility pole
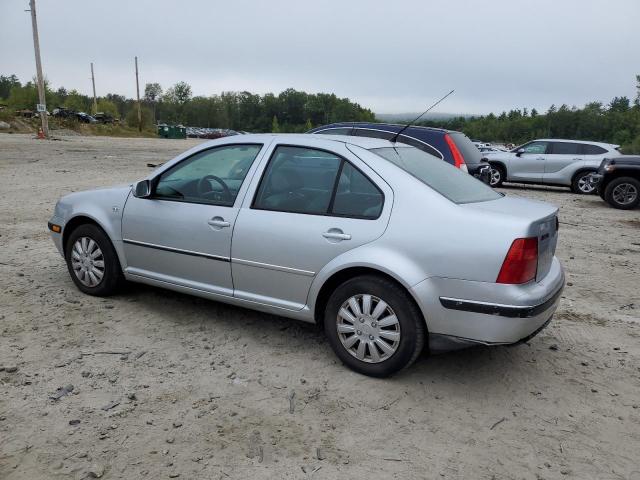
{"x":95,"y":101}
{"x":138,"y":95}
{"x":36,"y":46}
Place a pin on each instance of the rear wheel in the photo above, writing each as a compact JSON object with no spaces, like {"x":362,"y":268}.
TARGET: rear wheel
{"x":581,"y":183}
{"x":623,"y":193}
{"x":92,"y":261}
{"x":373,"y":326}
{"x":497,"y":175}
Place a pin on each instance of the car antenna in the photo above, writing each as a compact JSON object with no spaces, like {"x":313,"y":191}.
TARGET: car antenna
{"x":394,"y":139}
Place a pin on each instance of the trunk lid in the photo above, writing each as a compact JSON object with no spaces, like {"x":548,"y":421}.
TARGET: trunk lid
{"x":537,"y":219}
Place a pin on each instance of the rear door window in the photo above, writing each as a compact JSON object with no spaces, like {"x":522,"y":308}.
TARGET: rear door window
{"x":316,"y":182}
{"x":565,"y":148}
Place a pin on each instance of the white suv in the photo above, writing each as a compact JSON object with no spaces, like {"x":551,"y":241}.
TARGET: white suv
{"x":551,"y":162}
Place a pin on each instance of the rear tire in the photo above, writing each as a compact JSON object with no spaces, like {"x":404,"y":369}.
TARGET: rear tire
{"x":386,"y":330}
{"x":497,"y":175}
{"x":581,"y":185}
{"x":92,"y":261}
{"x":623,"y":193}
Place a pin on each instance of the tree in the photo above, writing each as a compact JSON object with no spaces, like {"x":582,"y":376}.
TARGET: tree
{"x":7,"y":83}
{"x":152,"y":93}
{"x":110,"y":108}
{"x":180,"y":93}
{"x":275,"y":127}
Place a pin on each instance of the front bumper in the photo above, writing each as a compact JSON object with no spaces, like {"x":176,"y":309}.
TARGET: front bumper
{"x":461,"y":313}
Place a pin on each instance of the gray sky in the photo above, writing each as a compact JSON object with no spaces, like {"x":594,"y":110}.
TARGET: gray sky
{"x":388,"y":56}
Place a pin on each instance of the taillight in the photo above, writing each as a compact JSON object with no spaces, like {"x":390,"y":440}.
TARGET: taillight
{"x":458,"y":159}
{"x":521,"y":263}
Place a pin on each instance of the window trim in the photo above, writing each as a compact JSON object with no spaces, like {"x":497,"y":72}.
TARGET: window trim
{"x":156,"y":180}
{"x":328,"y":213}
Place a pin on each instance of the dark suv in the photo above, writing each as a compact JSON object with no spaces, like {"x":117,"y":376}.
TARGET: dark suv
{"x":452,"y":147}
{"x":618,"y":181}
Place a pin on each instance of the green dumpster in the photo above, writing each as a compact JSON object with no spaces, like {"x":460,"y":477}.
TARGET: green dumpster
{"x":172,"y":131}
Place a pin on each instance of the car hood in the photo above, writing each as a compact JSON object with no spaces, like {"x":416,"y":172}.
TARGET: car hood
{"x":101,"y":198}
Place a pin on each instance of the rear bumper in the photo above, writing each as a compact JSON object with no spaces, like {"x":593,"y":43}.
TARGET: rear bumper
{"x":461,"y":313}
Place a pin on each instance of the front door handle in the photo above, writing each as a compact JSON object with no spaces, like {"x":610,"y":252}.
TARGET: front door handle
{"x":218,"y":223}
{"x":336,"y":234}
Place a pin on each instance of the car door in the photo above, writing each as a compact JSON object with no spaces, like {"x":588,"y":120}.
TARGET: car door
{"x":181,"y":233}
{"x":563,"y":159}
{"x":311,"y":205}
{"x":528,"y":164}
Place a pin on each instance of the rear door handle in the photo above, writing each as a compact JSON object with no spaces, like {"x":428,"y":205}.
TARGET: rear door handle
{"x":218,"y":223}
{"x":336,"y":234}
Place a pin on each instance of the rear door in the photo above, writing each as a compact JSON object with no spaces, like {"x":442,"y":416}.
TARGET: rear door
{"x":560,"y":162}
{"x":310,"y":205}
{"x":528,"y":166}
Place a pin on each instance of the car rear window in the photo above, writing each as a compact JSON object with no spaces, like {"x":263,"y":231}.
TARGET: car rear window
{"x":451,"y":182}
{"x":468,"y":150}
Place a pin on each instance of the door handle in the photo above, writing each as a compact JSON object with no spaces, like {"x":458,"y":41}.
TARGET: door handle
{"x":218,"y":223}
{"x":336,"y":234}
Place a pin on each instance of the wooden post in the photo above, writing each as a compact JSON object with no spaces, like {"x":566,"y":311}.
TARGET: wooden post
{"x":36,"y":46}
{"x":93,"y":82}
{"x":138,"y":95}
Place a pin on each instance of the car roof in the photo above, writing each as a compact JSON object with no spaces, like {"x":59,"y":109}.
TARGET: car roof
{"x":364,"y":142}
{"x":384,"y":124}
{"x":589,"y":142}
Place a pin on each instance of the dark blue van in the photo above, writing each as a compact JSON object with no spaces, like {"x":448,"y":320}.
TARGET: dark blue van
{"x":452,"y":147}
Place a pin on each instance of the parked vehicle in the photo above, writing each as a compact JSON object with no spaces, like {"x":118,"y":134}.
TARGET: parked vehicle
{"x":551,"y":162}
{"x":105,"y":118}
{"x":618,"y":181}
{"x":453,"y":147}
{"x":387,"y":246}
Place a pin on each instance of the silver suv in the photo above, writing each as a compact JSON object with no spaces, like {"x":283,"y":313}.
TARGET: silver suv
{"x":551,"y":162}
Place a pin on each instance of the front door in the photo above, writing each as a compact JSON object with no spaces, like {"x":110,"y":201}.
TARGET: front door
{"x":528,"y":166}
{"x":310,"y":207}
{"x":182,"y":233}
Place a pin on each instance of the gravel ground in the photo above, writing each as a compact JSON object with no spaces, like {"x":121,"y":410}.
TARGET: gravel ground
{"x":155,"y":384}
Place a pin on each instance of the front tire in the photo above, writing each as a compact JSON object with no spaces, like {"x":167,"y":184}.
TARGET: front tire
{"x":623,"y":193}
{"x":581,"y":184}
{"x":374,"y":326}
{"x":92,"y":261}
{"x":496,"y":176}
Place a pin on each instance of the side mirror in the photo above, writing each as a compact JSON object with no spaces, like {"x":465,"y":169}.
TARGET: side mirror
{"x":519,"y":152}
{"x":142,"y":189}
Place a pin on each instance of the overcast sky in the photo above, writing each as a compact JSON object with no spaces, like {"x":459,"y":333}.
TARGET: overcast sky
{"x":388,"y":56}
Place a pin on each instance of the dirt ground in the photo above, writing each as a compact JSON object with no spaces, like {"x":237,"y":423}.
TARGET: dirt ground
{"x":166,"y":385}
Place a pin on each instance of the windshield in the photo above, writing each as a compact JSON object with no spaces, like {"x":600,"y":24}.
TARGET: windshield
{"x":451,"y":182}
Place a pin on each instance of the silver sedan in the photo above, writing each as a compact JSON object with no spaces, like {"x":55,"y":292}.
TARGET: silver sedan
{"x":389,"y":248}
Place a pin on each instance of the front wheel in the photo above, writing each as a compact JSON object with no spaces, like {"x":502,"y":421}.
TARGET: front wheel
{"x":623,"y":193}
{"x":92,"y":261}
{"x":374,"y":326}
{"x":582,"y":184}
{"x":497,"y":176}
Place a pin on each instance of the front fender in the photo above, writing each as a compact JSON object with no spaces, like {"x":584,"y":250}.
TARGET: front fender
{"x":102,"y":206}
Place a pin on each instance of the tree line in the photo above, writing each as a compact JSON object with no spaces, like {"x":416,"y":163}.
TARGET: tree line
{"x":288,"y":111}
{"x":616,"y":122}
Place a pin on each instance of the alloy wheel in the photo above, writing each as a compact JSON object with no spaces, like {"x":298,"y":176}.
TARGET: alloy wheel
{"x":585,"y":185}
{"x":495,"y":178}
{"x":625,"y":193}
{"x":87,"y":262}
{"x":368,"y":328}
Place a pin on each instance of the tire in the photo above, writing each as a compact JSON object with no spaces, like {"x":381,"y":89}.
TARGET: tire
{"x":85,"y":269}
{"x":580,"y":183}
{"x":497,"y":175}
{"x":623,"y":193}
{"x":396,"y":345}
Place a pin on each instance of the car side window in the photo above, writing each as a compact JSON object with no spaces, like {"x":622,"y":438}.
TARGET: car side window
{"x":592,"y":149}
{"x":356,"y":195}
{"x":565,"y":148}
{"x":213,"y":176}
{"x":535,"y":147}
{"x":304,"y":180}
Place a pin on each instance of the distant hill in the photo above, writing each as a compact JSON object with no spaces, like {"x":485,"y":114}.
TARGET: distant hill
{"x":405,"y":117}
